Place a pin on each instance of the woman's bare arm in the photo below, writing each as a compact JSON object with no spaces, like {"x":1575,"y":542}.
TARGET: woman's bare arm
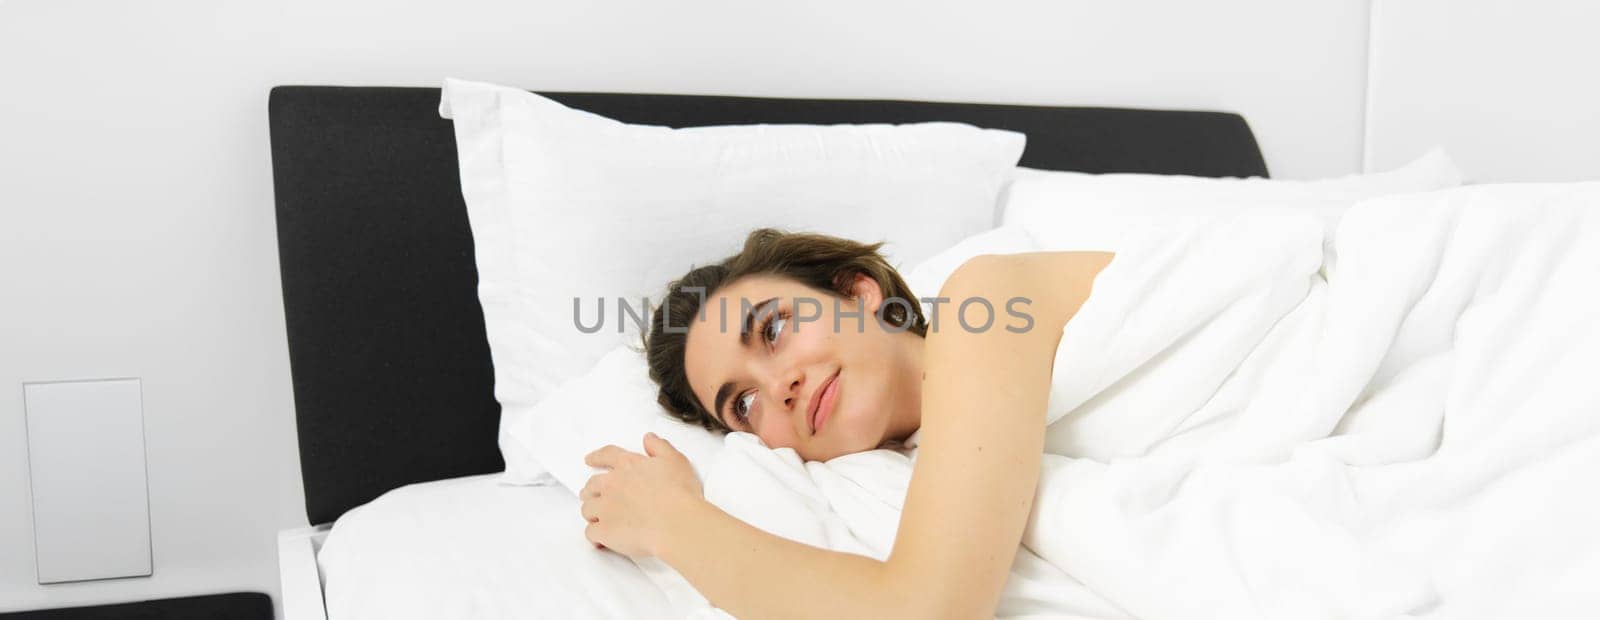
{"x":982,"y":440}
{"x":983,"y":407}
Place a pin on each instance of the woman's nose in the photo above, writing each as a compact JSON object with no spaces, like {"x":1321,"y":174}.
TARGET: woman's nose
{"x":789,"y":388}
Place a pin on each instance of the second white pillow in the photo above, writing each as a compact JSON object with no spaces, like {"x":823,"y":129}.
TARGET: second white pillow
{"x":1035,"y":194}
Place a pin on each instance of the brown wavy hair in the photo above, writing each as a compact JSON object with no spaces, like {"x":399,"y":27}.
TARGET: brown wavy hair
{"x":825,"y":263}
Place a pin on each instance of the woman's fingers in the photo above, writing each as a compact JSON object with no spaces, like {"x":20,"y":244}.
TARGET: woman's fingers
{"x":600,"y":457}
{"x":589,"y":511}
{"x":654,"y":445}
{"x":611,"y":457}
{"x":591,"y":489}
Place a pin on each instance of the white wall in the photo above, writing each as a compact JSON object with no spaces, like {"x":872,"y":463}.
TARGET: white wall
{"x":136,"y":220}
{"x":1508,"y":87}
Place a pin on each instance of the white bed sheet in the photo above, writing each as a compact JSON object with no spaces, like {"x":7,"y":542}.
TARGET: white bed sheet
{"x":472,"y":548}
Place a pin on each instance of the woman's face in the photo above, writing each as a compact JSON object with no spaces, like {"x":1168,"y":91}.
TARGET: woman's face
{"x":765,"y":357}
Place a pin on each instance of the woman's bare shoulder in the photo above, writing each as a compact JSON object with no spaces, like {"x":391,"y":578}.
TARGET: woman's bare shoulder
{"x":1054,"y":284}
{"x":1025,"y":266}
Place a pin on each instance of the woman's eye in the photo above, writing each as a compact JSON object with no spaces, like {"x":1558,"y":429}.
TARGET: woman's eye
{"x":775,"y":328}
{"x":741,"y":407}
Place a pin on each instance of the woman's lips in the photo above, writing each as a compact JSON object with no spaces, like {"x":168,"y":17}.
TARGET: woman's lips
{"x":830,"y":395}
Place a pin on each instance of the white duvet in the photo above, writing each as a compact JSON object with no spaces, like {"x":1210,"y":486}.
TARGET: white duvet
{"x":1248,"y":422}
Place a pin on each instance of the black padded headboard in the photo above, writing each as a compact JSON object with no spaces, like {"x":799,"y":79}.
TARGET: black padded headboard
{"x":391,"y":369}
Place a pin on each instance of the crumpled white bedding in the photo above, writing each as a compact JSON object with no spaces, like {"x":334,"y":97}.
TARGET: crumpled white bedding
{"x":1241,"y":426}
{"x":472,"y":548}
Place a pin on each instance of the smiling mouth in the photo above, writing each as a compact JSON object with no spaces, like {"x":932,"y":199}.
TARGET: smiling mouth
{"x":822,"y":404}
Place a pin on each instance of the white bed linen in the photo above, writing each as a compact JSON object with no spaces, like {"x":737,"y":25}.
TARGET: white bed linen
{"x":472,"y":548}
{"x":1235,"y":435}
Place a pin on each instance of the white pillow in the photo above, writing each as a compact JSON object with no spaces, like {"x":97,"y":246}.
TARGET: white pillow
{"x":566,"y":205}
{"x":471,"y":548}
{"x":1035,"y":194}
{"x":1041,"y":199}
{"x":613,"y":403}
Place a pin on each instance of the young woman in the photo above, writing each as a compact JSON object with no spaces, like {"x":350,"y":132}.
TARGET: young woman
{"x":784,"y":340}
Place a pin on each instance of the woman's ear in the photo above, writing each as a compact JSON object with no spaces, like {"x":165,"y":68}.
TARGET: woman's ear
{"x":867,"y":290}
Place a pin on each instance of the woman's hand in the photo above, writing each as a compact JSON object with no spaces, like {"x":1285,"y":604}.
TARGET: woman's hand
{"x":632,"y":507}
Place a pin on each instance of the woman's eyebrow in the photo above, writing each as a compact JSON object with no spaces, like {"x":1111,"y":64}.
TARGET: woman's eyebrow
{"x":763,"y":308}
